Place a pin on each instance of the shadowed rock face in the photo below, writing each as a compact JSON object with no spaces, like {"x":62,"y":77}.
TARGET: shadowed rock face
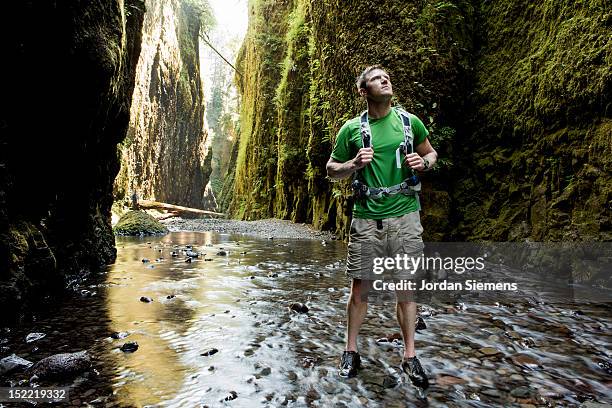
{"x":165,"y":156}
{"x":73,"y":64}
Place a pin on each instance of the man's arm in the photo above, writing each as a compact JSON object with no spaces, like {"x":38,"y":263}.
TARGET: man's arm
{"x":423,"y":151}
{"x":339,"y":170}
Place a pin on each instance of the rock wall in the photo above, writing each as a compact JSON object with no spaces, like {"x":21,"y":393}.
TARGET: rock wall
{"x":165,"y":156}
{"x":72,"y":67}
{"x":509,"y":93}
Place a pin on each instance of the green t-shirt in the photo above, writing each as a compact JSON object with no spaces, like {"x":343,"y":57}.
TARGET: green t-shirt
{"x":387,"y":134}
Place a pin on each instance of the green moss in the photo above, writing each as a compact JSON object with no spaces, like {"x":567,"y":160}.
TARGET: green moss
{"x":511,"y":93}
{"x":139,"y":223}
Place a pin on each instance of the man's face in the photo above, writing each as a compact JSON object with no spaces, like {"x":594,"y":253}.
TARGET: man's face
{"x":378,"y":86}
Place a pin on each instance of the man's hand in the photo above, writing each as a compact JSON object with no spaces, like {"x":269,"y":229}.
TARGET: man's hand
{"x":339,"y":170}
{"x":363,"y":158}
{"x":414,"y":161}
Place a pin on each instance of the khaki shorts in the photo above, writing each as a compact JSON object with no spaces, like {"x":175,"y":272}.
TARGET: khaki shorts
{"x":398,"y":236}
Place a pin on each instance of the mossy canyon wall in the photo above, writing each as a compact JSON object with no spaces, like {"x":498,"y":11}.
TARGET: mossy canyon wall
{"x":165,"y":156}
{"x":72,"y":66}
{"x":516,"y":96}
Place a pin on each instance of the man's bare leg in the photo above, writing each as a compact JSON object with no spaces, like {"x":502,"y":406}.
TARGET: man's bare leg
{"x":356,"y":311}
{"x":406,"y":316}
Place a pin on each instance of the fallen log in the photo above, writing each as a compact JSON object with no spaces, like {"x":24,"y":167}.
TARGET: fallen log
{"x":150,"y":205}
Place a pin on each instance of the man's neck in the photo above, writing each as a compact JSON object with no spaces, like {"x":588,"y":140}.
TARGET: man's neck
{"x":378,"y":109}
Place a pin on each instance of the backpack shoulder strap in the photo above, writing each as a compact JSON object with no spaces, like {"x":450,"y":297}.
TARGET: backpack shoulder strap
{"x":364,"y":128}
{"x":408,"y":136}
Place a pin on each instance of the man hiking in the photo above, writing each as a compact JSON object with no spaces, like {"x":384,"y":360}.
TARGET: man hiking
{"x":382,"y":149}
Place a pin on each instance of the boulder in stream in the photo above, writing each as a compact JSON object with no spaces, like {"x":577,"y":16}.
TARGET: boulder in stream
{"x":139,"y":223}
{"x":61,"y":366}
{"x":13,"y":363}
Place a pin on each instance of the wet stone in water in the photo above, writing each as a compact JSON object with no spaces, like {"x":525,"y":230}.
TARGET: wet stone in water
{"x":129,"y":347}
{"x":299,"y":307}
{"x":120,"y":335}
{"x":146,"y":299}
{"x":232,"y":396}
{"x":34,"y":336}
{"x":13,"y":363}
{"x":521,"y":392}
{"x":489,"y":351}
{"x":210,"y":352}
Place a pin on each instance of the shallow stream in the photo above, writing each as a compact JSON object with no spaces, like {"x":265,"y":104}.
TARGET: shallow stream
{"x":516,"y":351}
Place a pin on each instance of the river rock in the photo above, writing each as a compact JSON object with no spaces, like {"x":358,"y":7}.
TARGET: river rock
{"x":12,"y":363}
{"x":312,"y":395}
{"x":445,"y":380}
{"x":222,"y":253}
{"x":188,"y":260}
{"x":299,"y":307}
{"x":145,"y":260}
{"x":420,"y":324}
{"x":138,"y":223}
{"x":521,"y":392}
{"x":232,"y":396}
{"x":60,"y":366}
{"x":34,"y":336}
{"x":491,"y":392}
{"x":192,"y":254}
{"x":129,"y":347}
{"x":525,"y":360}
{"x":389,"y":382}
{"x":210,"y":352}
{"x":266,"y":371}
{"x":489,"y":351}
{"x":120,"y":335}
{"x":146,"y":299}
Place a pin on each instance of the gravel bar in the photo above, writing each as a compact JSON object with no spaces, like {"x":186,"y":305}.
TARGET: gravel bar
{"x":268,"y":228}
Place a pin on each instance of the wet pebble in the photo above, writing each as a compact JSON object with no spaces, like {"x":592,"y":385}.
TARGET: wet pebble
{"x":129,"y":347}
{"x":299,"y":307}
{"x":119,"y":335}
{"x":145,"y":260}
{"x":146,"y":299}
{"x":210,"y":352}
{"x":489,"y":351}
{"x":446,"y":380}
{"x":521,"y":392}
{"x":606,"y":366}
{"x":222,"y":253}
{"x":525,"y":360}
{"x":491,"y":392}
{"x":192,"y":254}
{"x":34,"y":336}
{"x":232,"y":396}
{"x":170,"y":296}
{"x":312,"y":395}
{"x":420,"y":324}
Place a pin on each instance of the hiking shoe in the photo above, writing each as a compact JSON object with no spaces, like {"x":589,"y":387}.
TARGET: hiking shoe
{"x":412,"y":367}
{"x":349,"y":364}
